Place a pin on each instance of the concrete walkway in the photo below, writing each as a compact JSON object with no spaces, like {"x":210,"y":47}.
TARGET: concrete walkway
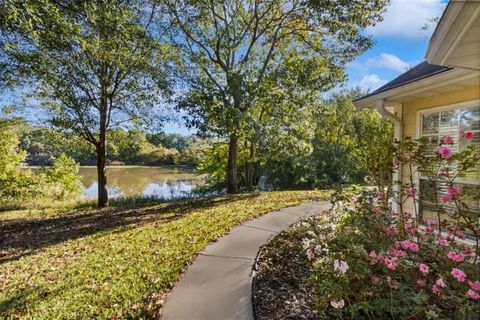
{"x":217,"y":285}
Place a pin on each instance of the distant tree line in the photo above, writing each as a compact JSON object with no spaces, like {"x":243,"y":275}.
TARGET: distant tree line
{"x":124,"y":147}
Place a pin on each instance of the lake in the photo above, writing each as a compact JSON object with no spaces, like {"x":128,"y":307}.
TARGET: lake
{"x":159,"y":182}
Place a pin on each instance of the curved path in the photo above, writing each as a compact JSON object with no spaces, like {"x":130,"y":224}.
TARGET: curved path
{"x":217,"y":285}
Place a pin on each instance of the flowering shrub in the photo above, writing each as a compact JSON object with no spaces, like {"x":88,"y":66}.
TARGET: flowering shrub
{"x":369,"y":261}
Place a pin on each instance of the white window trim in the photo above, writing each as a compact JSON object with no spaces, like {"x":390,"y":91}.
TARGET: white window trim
{"x":418,"y":133}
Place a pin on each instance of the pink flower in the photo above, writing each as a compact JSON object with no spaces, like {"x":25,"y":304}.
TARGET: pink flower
{"x":458,"y":274}
{"x":446,"y":198}
{"x":310,"y":253}
{"x":398,"y":253}
{"x":468,"y":251}
{"x":460,"y":234}
{"x":453,"y":192}
{"x":406,"y":244}
{"x":424,"y":268}
{"x":440,"y":283}
{"x":391,"y":263}
{"x":431,"y":222}
{"x":391,"y":231}
{"x":444,"y":152}
{"x":475,"y":285}
{"x":435,"y":289}
{"x":396,"y":162}
{"x":473,"y":295}
{"x":373,"y":254}
{"x":414,"y":247}
{"x":429,"y":230}
{"x":340,"y":265}
{"x":381,"y":196}
{"x":411,"y":192}
{"x":338,"y":304}
{"x":447,"y":140}
{"x":461,"y":133}
{"x":378,"y":210}
{"x":442,"y":242}
{"x":458,"y":257}
{"x":469,"y":135}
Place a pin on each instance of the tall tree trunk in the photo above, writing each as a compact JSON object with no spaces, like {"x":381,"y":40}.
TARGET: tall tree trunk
{"x":232,"y":185}
{"x":102,"y":176}
{"x":102,"y":153}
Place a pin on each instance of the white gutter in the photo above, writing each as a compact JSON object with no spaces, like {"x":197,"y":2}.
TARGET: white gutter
{"x":398,"y":136}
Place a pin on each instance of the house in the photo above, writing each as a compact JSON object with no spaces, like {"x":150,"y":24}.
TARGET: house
{"x":441,"y":95}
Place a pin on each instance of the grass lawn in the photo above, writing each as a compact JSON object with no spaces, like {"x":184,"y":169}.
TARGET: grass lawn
{"x":114,"y":263}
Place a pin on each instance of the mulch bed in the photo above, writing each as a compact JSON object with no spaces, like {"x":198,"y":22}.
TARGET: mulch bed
{"x":280,"y":290}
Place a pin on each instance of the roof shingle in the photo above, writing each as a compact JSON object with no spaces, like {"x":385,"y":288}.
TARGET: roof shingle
{"x":420,"y":71}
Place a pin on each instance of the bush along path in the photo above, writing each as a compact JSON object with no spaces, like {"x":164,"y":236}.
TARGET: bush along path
{"x":218,"y":283}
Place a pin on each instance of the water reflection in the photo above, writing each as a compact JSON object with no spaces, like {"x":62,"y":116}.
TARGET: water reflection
{"x":158,"y":182}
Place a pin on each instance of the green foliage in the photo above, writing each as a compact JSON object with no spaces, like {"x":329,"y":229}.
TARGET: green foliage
{"x":15,"y":183}
{"x":335,"y":142}
{"x":374,"y":148}
{"x":326,"y":143}
{"x":10,"y":155}
{"x":21,"y":185}
{"x":214,"y":163}
{"x":63,"y":179}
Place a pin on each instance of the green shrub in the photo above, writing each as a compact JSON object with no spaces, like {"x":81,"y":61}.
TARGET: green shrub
{"x":62,"y":179}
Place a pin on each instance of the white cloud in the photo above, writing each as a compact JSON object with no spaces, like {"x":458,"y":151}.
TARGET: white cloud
{"x":391,"y":62}
{"x":371,"y":82}
{"x":405,"y":18}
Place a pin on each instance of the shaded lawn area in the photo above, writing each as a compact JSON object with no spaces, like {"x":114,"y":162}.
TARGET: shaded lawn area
{"x":115,"y":263}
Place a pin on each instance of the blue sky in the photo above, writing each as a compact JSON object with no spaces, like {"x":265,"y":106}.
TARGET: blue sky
{"x":400,"y":43}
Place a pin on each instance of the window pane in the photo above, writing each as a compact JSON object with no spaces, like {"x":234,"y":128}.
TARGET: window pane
{"x":430,"y":124}
{"x":428,"y":207}
{"x":470,"y":119}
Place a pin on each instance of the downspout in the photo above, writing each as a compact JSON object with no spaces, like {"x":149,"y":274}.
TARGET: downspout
{"x":397,"y":121}
{"x":398,"y":136}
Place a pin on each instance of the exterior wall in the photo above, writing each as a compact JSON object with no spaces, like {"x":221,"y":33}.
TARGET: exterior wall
{"x":409,"y":116}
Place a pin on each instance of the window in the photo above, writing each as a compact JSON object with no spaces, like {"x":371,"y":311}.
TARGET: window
{"x":449,"y":122}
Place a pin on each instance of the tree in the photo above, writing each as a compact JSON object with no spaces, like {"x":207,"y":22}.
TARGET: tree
{"x":231,"y":47}
{"x":95,"y":65}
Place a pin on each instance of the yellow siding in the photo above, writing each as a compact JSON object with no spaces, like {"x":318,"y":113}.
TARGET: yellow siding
{"x":411,"y":108}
